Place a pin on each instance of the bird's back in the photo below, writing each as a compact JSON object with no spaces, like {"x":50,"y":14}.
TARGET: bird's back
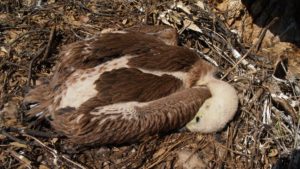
{"x":134,"y":69}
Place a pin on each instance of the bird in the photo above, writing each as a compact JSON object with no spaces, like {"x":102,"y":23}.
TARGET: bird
{"x":124,"y":85}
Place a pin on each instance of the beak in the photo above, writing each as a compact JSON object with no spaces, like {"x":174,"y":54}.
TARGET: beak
{"x":184,"y":129}
{"x":188,"y":127}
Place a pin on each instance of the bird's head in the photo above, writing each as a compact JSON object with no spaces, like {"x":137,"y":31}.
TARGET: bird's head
{"x":216,"y":111}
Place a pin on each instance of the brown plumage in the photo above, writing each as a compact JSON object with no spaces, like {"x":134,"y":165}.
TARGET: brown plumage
{"x":123,"y":86}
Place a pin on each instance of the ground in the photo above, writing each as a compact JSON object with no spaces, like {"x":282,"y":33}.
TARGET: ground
{"x":249,"y":56}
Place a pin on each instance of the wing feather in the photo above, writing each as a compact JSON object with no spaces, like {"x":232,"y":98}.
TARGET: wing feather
{"x":161,"y":115}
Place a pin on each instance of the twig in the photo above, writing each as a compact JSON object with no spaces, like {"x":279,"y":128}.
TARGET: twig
{"x":4,"y":93}
{"x":287,"y":107}
{"x":39,"y":53}
{"x":55,"y":153}
{"x":233,"y":151}
{"x":201,"y":145}
{"x":255,"y":97}
{"x":254,"y":46}
{"x":51,"y":37}
{"x":3,"y":132}
{"x":89,"y":10}
{"x":263,"y":33}
{"x":164,"y":155}
{"x":78,"y":36}
{"x":21,"y":158}
{"x":32,"y":132}
{"x":18,"y":38}
{"x":6,"y":62}
{"x":296,"y":137}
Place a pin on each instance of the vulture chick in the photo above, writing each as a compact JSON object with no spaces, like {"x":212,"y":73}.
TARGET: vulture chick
{"x":124,"y":85}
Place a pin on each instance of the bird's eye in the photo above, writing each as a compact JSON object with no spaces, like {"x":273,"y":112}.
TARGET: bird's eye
{"x":197,"y":119}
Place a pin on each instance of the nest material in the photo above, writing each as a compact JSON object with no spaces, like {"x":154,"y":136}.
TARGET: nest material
{"x":32,"y":32}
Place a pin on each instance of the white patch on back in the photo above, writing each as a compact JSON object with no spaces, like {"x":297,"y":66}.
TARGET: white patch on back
{"x":183,"y":76}
{"x":80,"y":91}
{"x":110,"y":30}
{"x":83,"y":87}
{"x":120,"y":32}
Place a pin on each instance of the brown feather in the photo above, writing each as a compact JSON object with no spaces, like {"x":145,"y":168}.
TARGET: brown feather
{"x":165,"y":33}
{"x":162,"y":115}
{"x":157,"y":79}
{"x":166,"y":58}
{"x":130,"y":84}
{"x":41,"y":96}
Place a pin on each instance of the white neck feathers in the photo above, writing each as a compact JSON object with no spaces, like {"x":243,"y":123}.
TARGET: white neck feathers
{"x":216,"y":111}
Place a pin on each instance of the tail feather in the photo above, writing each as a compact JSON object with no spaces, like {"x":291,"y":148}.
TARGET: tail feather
{"x":37,"y":101}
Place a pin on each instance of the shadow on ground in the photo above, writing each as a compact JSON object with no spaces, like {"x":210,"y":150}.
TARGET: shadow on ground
{"x":288,"y":12}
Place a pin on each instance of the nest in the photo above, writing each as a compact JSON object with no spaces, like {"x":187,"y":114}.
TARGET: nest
{"x":32,"y":32}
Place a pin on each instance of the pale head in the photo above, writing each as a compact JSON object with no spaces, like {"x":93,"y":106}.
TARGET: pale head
{"x":216,"y":111}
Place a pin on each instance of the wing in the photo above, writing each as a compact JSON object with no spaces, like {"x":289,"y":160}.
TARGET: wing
{"x":85,"y":88}
{"x":131,"y":121}
{"x":74,"y":104}
{"x":146,"y":51}
{"x":115,"y":68}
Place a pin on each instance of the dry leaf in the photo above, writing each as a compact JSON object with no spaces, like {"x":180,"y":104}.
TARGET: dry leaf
{"x":183,"y":7}
{"x":273,"y":153}
{"x":43,"y":167}
{"x":12,"y":35}
{"x":159,"y":152}
{"x":187,"y":160}
{"x":163,"y":17}
{"x":3,"y":16}
{"x":124,"y":21}
{"x":188,"y":24}
{"x":54,"y":140}
{"x":51,"y":1}
{"x":10,"y":109}
{"x":84,"y":19}
{"x":17,"y":144}
{"x":2,"y":49}
{"x":2,"y":137}
{"x":176,"y":18}
{"x":200,"y":4}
